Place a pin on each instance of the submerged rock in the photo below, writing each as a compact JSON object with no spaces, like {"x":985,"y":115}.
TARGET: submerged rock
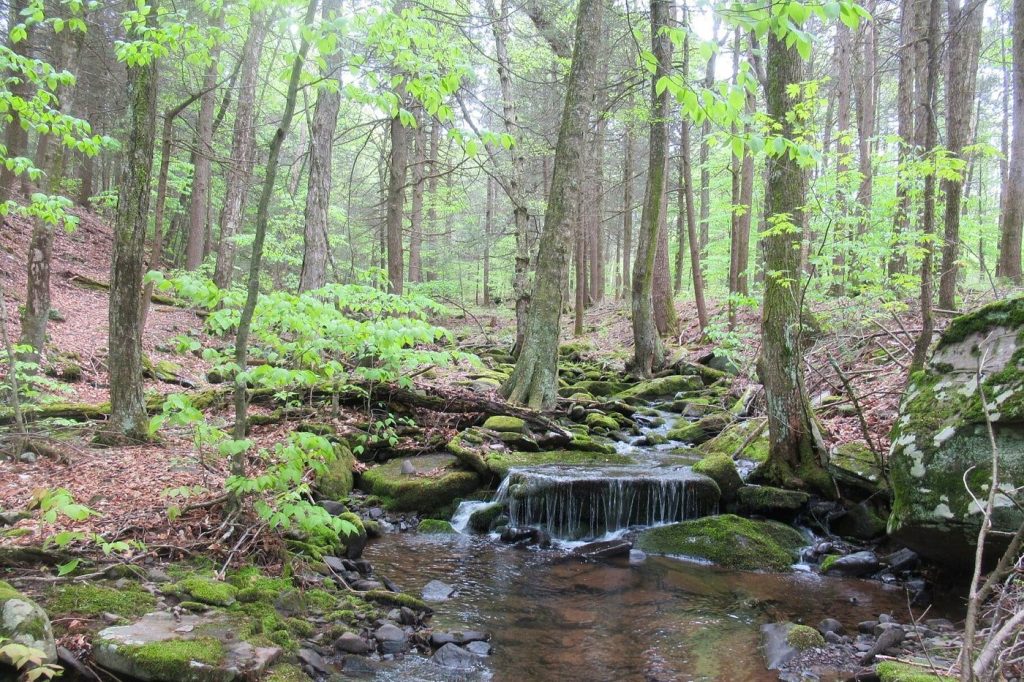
{"x":454,"y":656}
{"x":942,"y":433}
{"x":437,"y":591}
{"x":163,"y":648}
{"x":728,"y":540}
{"x":855,"y":565}
{"x":609,"y":549}
{"x":23,"y":621}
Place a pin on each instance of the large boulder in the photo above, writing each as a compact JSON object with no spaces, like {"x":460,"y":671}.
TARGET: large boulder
{"x":434,"y":484}
{"x":24,"y":622}
{"x":335,"y":482}
{"x":941,"y":436}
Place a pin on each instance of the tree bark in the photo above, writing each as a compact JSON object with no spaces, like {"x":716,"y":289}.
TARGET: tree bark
{"x":794,"y":459}
{"x":841,"y":229}
{"x":648,"y":354}
{"x":685,"y":150}
{"x":488,"y":229}
{"x":627,"y":215}
{"x":663,"y":295}
{"x":866,"y":104}
{"x":963,"y":47}
{"x":705,"y":170}
{"x":124,"y":361}
{"x":316,"y":246}
{"x":595,"y":241}
{"x":1013,"y":209}
{"x":16,"y":137}
{"x":262,"y":218}
{"x":395,"y":206}
{"x":534,"y":381}
{"x":905,"y":131}
{"x":416,"y":210}
{"x":242,"y":151}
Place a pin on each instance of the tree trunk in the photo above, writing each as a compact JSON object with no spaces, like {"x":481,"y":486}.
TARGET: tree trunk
{"x":794,"y":458}
{"x":534,"y":381}
{"x":580,"y":265}
{"x":124,"y":361}
{"x":705,"y":170}
{"x":16,"y":137}
{"x":662,"y":295}
{"x":262,"y":217}
{"x":963,"y":46}
{"x":841,"y":228}
{"x":927,"y":120}
{"x":416,"y":211}
{"x":395,"y":205}
{"x":488,"y":229}
{"x":685,"y":150}
{"x":627,"y":215}
{"x":866,"y":103}
{"x":1013,"y":209}
{"x":202,"y":172}
{"x":316,"y":246}
{"x":242,"y":151}
{"x":905,"y":131}
{"x":596,"y":212}
{"x":648,"y":354}
{"x":681,"y":199}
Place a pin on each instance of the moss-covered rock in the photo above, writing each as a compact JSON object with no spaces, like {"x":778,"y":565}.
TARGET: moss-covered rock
{"x":941,"y":435}
{"x":733,"y":437}
{"x":802,"y":637}
{"x":701,"y":430}
{"x":205,"y":590}
{"x":892,"y":671}
{"x":601,"y":422}
{"x":481,"y":520}
{"x":506,"y":424}
{"x":439,"y":484}
{"x":336,"y":482}
{"x":728,"y":540}
{"x":860,"y":522}
{"x":501,"y":462}
{"x":665,"y":387}
{"x":24,"y":622}
{"x":93,"y":599}
{"x":776,"y":503}
{"x":722,"y":470}
{"x":353,"y":539}
{"x":435,"y":527}
{"x":599,"y":388}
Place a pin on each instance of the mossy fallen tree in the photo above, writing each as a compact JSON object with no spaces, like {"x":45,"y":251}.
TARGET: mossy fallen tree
{"x":83,"y":412}
{"x":86,"y":282}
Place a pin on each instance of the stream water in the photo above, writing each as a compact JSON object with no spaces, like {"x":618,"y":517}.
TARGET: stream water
{"x":554,"y":617}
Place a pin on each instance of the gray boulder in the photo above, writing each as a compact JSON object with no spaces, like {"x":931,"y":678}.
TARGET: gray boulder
{"x":941,"y":434}
{"x":24,"y":622}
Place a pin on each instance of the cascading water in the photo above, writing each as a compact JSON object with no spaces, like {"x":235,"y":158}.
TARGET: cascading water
{"x":578,"y":503}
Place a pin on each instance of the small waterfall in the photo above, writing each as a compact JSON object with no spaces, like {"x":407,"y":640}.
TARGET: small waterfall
{"x":577,"y":503}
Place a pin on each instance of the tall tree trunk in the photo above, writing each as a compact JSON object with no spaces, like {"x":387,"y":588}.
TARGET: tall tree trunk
{"x":841,"y":229}
{"x":432,"y":200}
{"x":501,"y":28}
{"x":534,"y":381}
{"x":596,"y":240}
{"x":927,"y":119}
{"x":316,"y":246}
{"x":681,"y":199}
{"x":416,"y":211}
{"x":866,"y":103}
{"x":627,"y":214}
{"x":685,"y":150}
{"x":794,"y":458}
{"x":488,"y":230}
{"x":395,"y":205}
{"x":242,"y":151}
{"x":705,"y":170}
{"x":580,"y":266}
{"x":16,"y":137}
{"x":963,"y":46}
{"x":124,"y":361}
{"x":662,"y":295}
{"x":202,"y":172}
{"x":648,"y":354}
{"x":905,"y":130}
{"x":262,"y":217}
{"x":1013,"y":209}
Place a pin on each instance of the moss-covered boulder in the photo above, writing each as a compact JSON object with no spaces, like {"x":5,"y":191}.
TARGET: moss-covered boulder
{"x":353,"y":537}
{"x":204,"y":590}
{"x":601,"y":422}
{"x":435,"y":527}
{"x":722,"y":470}
{"x":748,"y":438}
{"x":727,"y":540}
{"x":505,"y":424}
{"x":802,"y":637}
{"x":439,"y":481}
{"x":481,"y":520}
{"x":336,"y":482}
{"x":163,"y":647}
{"x":599,"y":388}
{"x":23,"y":621}
{"x":774,"y":503}
{"x":701,"y":430}
{"x":893,"y":671}
{"x":855,"y":469}
{"x":941,"y":435}
{"x":665,"y":387}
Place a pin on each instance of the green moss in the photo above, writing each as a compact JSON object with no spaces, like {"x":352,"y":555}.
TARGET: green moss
{"x":828,"y":562}
{"x":891,"y":671}
{"x":480,"y":520}
{"x":173,"y":659}
{"x":728,"y":540}
{"x":501,"y":462}
{"x":8,"y":592}
{"x":336,"y":481}
{"x":732,"y":438}
{"x":596,"y":420}
{"x":254,"y":585}
{"x":802,"y":637}
{"x":702,"y":430}
{"x":765,"y":499}
{"x":435,"y":527}
{"x":1005,"y":313}
{"x":436,"y":489}
{"x":500,"y":422}
{"x":286,"y":672}
{"x":89,"y":599}
{"x":722,"y":470}
{"x":395,"y":599}
{"x":660,"y":388}
{"x":206,"y":590}
{"x":320,"y":600}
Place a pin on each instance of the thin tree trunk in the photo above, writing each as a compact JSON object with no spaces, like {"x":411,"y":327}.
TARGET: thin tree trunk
{"x":663,"y":296}
{"x":905,"y":130}
{"x":316,"y":246}
{"x":627,"y":215}
{"x":681,"y":198}
{"x":705,"y":170}
{"x":395,"y":205}
{"x":16,"y":137}
{"x":124,"y":360}
{"x":416,"y":211}
{"x":262,"y":217}
{"x":534,"y":381}
{"x":580,"y":265}
{"x":488,"y":229}
{"x":648,"y":354}
{"x":596,"y":211}
{"x":1013,"y":210}
{"x":685,"y":149}
{"x":866,"y":103}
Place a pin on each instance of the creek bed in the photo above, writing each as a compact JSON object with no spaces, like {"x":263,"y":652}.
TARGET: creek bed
{"x":556,"y":618}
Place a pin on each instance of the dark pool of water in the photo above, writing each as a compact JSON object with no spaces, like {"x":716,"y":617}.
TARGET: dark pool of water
{"x":555,"y":618}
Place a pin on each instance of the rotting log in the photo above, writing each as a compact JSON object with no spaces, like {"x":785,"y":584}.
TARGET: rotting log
{"x":86,"y":282}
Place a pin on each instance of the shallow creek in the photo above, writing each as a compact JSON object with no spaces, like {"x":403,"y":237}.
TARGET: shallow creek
{"x":554,"y":617}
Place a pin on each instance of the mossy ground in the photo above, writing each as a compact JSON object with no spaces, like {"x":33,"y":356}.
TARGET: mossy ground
{"x":91,"y":599}
{"x":205,"y":590}
{"x":503,"y":461}
{"x":729,"y":441}
{"x":727,"y":540}
{"x":173,"y":659}
{"x":891,"y":671}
